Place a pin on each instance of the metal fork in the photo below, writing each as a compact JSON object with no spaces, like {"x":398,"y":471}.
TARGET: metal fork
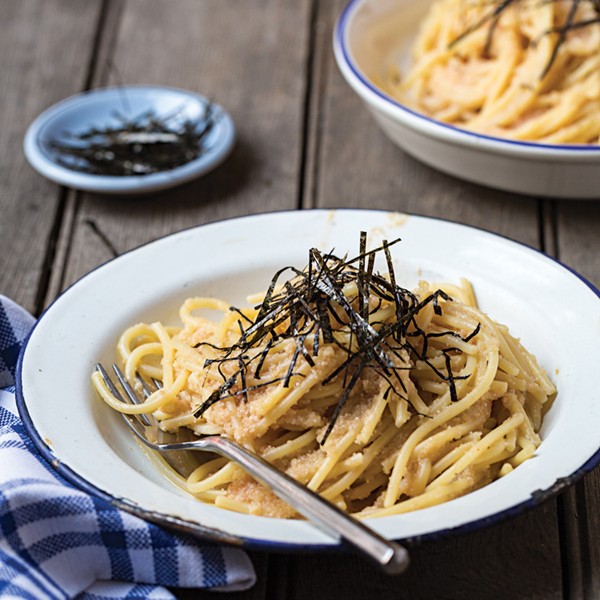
{"x":388,"y":555}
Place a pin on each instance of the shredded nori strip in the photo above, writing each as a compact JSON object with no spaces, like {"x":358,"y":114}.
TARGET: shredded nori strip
{"x":263,"y":357}
{"x":473,"y":333}
{"x":499,"y":6}
{"x":451,"y":379}
{"x":314,"y":302}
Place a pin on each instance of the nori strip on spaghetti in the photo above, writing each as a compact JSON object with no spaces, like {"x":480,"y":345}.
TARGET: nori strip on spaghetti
{"x":314,"y":302}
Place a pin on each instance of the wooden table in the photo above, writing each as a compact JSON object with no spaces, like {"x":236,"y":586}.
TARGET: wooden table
{"x":305,"y":141}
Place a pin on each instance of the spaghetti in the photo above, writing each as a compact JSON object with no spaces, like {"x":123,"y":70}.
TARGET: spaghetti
{"x":519,"y":69}
{"x":380,"y":399}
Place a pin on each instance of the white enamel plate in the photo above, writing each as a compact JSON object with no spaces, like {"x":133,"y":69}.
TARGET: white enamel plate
{"x":554,"y":311}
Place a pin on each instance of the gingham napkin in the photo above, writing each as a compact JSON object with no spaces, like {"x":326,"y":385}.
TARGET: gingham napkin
{"x":59,"y":542}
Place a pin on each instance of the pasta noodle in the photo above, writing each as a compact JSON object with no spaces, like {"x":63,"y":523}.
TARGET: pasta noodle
{"x":522,"y":69}
{"x":380,"y":399}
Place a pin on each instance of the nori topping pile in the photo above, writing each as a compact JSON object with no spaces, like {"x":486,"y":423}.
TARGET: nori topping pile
{"x":313,"y":302}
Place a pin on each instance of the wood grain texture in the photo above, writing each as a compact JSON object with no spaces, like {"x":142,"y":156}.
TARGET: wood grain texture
{"x":250,"y":56}
{"x":45,"y":47}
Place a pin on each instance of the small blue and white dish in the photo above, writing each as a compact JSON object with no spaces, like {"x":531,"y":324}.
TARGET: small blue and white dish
{"x":111,"y":107}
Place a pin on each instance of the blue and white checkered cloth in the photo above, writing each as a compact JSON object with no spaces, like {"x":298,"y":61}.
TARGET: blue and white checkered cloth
{"x":59,"y":542}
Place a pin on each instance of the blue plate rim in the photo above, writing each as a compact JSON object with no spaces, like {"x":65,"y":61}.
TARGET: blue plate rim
{"x":212,"y":534}
{"x":550,"y":149}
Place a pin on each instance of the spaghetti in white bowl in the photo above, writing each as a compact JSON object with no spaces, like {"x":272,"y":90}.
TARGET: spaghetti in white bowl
{"x":465,"y":93}
{"x":99,"y":453}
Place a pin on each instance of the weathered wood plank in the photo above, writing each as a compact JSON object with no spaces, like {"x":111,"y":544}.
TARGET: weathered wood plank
{"x":45,"y":47}
{"x":586,"y":518}
{"x":248,"y":56}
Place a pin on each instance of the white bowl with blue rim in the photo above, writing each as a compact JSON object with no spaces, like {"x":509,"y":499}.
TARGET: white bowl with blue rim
{"x":90,"y":445}
{"x":107,"y":107}
{"x":371,"y":35}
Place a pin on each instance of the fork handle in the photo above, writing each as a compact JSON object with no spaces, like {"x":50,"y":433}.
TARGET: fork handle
{"x":390,"y":556}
